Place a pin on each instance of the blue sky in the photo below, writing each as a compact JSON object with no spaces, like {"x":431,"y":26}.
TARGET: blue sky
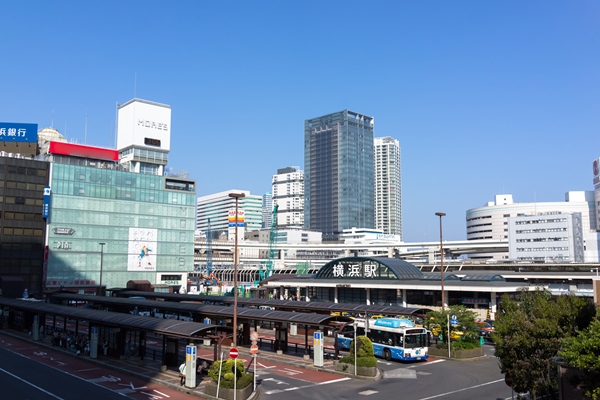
{"x":484,"y":97}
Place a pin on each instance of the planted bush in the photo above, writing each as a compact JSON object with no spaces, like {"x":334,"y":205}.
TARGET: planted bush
{"x":231,"y":370}
{"x":364,"y":353}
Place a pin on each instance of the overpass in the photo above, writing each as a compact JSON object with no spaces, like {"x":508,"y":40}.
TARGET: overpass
{"x":253,"y":253}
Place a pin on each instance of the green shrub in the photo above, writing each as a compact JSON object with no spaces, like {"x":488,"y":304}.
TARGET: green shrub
{"x":370,"y":361}
{"x":227,"y":374}
{"x":465,"y":345}
{"x":364,"y":353}
{"x":459,"y":345}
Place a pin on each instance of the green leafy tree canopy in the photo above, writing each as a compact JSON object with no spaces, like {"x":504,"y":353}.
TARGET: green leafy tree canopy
{"x":583,"y":352}
{"x":528,"y":335}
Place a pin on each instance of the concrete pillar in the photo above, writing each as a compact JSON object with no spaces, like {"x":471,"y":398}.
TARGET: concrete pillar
{"x":368,"y":296}
{"x":335,"y":295}
{"x":403,"y":297}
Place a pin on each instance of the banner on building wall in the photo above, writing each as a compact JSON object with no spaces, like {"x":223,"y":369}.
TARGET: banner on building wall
{"x":142,"y":249}
{"x":46,"y":206}
{"x":241,"y":217}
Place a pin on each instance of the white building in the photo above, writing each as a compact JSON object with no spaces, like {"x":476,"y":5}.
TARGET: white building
{"x":596,"y":181}
{"x":492,"y":220}
{"x":220,"y":209}
{"x":144,"y":138}
{"x":546,"y":237}
{"x":367,"y":236}
{"x":388,"y":186}
{"x":288,"y":194}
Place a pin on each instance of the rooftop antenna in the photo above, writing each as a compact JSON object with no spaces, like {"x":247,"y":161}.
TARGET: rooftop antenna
{"x":134,"y":84}
{"x":116,"y":123}
{"x":85,"y":130}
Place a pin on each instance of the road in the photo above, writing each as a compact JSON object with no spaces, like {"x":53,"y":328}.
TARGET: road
{"x":438,"y":379}
{"x":30,"y":371}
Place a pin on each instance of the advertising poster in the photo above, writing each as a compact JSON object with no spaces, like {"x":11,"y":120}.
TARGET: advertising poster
{"x":142,"y":249}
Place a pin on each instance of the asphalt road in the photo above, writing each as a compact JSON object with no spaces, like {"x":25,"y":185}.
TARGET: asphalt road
{"x":435,"y":379}
{"x":22,"y":378}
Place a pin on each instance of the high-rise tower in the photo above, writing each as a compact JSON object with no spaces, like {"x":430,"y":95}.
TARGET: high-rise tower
{"x":288,"y":194}
{"x":388,"y":186}
{"x":338,"y":173}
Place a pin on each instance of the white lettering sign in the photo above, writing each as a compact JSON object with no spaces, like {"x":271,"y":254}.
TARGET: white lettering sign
{"x":153,"y":125}
{"x":355,"y":271}
{"x":63,"y":245}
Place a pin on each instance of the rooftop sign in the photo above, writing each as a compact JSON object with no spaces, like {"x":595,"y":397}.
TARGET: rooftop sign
{"x":16,"y":132}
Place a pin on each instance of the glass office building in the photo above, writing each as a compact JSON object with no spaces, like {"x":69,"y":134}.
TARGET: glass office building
{"x":108,"y":226}
{"x":338,"y":173}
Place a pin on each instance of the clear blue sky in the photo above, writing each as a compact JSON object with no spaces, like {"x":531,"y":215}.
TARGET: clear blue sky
{"x":485,"y":97}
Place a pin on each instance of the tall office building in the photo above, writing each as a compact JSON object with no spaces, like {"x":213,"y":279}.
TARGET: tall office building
{"x":388,"y":186}
{"x":288,"y":194}
{"x":267,"y":210}
{"x":338,"y":173}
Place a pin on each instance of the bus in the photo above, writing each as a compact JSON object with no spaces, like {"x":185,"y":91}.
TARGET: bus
{"x":393,"y":338}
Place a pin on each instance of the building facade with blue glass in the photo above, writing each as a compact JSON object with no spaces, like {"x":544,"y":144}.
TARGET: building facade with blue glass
{"x":338,"y":173}
{"x":108,"y":226}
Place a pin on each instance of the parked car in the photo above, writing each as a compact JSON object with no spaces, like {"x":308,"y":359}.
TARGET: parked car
{"x":485,"y":329}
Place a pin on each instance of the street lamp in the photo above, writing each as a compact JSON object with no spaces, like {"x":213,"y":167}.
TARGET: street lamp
{"x":101,"y":257}
{"x":441,"y":214}
{"x":237,"y":196}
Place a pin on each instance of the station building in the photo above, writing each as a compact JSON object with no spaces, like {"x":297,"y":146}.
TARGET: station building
{"x":393,"y":281}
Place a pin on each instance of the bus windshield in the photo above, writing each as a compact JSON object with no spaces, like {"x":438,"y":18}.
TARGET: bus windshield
{"x":413,"y":341}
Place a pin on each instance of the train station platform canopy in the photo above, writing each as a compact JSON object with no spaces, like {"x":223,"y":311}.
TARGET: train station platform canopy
{"x":168,"y":327}
{"x":312,"y":306}
{"x":189,"y":304}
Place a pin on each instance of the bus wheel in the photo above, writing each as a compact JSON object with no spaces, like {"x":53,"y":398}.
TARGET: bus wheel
{"x":387,"y":355}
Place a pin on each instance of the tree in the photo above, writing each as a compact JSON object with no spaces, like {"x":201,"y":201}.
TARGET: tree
{"x":528,"y":335}
{"x":467,"y":328}
{"x":583,"y":352}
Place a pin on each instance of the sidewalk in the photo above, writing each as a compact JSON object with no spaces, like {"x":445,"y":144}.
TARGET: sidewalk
{"x":151,"y":370}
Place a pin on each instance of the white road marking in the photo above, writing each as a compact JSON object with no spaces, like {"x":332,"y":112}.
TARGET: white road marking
{"x":301,"y":387}
{"x":368,"y":392}
{"x":426,"y":364}
{"x":463,"y":389}
{"x":31,"y":384}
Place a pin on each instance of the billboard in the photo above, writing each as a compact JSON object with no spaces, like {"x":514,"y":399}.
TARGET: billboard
{"x":144,"y":123}
{"x":240,"y":219}
{"x":15,"y":132}
{"x":141,"y":251}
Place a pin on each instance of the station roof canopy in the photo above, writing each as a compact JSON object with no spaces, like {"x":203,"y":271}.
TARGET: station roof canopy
{"x":190,"y":304}
{"x":167,"y":327}
{"x":311,"y":306}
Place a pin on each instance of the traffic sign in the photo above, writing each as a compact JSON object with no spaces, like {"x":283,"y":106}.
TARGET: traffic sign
{"x":254,"y":336}
{"x":508,"y":380}
{"x":233,"y":353}
{"x":454,"y":321}
{"x":254,"y":349}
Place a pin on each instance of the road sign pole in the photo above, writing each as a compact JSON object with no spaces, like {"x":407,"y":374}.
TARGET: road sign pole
{"x":448,"y":338}
{"x":255,"y":356}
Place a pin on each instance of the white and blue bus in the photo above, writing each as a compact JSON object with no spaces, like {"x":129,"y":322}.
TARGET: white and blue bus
{"x":393,"y":338}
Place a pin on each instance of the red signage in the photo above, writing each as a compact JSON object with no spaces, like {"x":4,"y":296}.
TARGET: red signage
{"x":233,"y":353}
{"x":508,"y":380}
{"x":254,"y":349}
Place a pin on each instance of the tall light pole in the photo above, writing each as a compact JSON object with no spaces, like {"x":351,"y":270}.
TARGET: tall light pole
{"x":441,"y":214}
{"x":237,"y":197}
{"x":101,"y":257}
